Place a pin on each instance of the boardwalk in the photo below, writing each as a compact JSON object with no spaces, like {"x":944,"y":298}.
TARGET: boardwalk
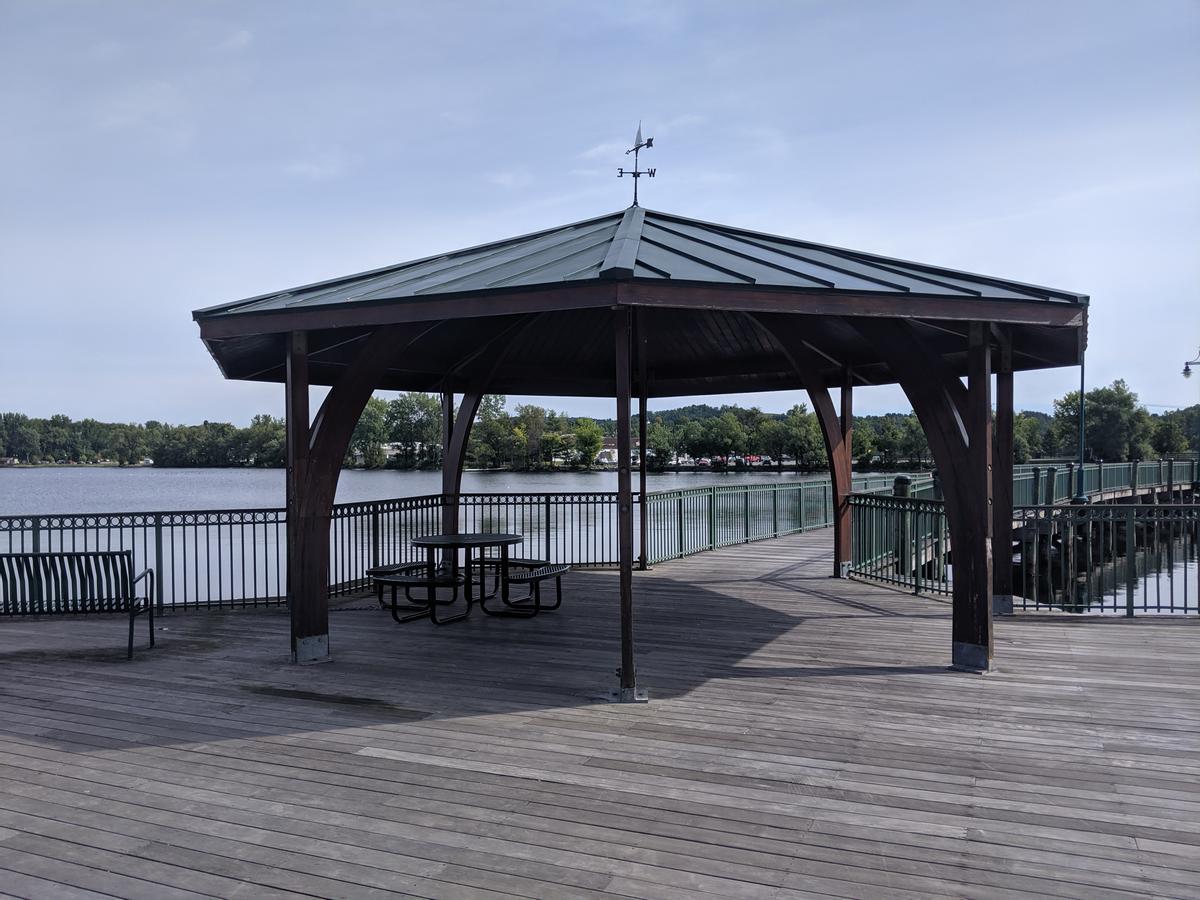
{"x":805,"y":739}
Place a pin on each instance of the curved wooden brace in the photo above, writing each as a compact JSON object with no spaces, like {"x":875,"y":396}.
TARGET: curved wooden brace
{"x":457,"y":427}
{"x":960,"y":437}
{"x":837,"y":434}
{"x":315,"y":455}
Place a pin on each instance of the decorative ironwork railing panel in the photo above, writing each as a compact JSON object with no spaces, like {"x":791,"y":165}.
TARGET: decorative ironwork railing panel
{"x":1067,"y":557}
{"x":234,"y":558}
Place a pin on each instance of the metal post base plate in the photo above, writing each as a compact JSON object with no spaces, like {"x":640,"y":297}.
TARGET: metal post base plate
{"x":629,"y":695}
{"x":1002,"y":604}
{"x":970,"y":658}
{"x":312,"y":650}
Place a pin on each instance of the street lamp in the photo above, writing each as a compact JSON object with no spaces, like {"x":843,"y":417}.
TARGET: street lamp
{"x":1187,"y":366}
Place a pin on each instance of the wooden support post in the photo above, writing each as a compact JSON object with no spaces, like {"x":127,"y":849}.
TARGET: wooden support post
{"x":643,"y":510}
{"x":972,"y":603}
{"x":628,"y":691}
{"x":454,"y":457}
{"x":842,"y":457}
{"x":306,"y":604}
{"x":1002,"y":484}
{"x":315,"y":453}
{"x":836,"y":434}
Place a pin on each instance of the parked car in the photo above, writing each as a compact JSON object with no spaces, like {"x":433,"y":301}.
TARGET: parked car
{"x":704,"y":463}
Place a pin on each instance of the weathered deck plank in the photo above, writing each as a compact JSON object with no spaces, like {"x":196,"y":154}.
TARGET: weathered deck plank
{"x":805,"y":739}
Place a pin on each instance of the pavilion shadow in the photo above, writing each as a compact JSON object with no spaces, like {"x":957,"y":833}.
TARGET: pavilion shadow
{"x":222,"y":676}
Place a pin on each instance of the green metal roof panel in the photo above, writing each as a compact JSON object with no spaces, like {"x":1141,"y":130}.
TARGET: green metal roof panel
{"x":643,"y":244}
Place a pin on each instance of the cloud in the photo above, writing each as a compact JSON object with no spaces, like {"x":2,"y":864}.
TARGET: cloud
{"x":607,"y":150}
{"x":322,"y":166}
{"x":237,"y":41}
{"x":154,"y":108}
{"x":511,"y":179}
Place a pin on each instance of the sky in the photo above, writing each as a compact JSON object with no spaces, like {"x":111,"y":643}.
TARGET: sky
{"x":156,"y":158}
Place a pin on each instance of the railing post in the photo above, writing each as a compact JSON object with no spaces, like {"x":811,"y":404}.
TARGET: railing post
{"x":158,"y":563}
{"x":37,"y":533}
{"x":1170,"y":481}
{"x":375,"y":535}
{"x":1130,"y":559}
{"x":746,"y":514}
{"x":1037,"y":485}
{"x":546,"y":536}
{"x":679,"y":506}
{"x":775,"y":510}
{"x":1050,"y":491}
{"x":902,"y":487}
{"x":1133,"y":479}
{"x":1071,"y":480}
{"x":712,"y":518}
{"x":1099,"y":475}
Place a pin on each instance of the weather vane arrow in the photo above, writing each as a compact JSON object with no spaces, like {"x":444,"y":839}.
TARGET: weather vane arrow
{"x":638,"y":145}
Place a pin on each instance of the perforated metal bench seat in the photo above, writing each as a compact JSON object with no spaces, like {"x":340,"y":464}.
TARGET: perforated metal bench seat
{"x":534,"y":578}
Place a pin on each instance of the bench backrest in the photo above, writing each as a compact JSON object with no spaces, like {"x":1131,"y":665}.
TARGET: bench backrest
{"x":42,"y":583}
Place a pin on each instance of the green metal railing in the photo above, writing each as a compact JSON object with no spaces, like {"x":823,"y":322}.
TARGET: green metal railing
{"x":683,"y":522}
{"x":1107,"y":558}
{"x":1069,"y":555}
{"x":237,"y":558}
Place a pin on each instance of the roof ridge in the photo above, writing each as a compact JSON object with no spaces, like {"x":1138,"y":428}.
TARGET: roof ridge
{"x":622,"y":254}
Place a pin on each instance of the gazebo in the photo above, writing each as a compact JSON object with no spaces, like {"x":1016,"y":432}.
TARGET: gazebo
{"x":648,"y":304}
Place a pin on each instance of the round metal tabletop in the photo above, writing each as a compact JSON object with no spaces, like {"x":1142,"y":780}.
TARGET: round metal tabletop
{"x":479,"y":539}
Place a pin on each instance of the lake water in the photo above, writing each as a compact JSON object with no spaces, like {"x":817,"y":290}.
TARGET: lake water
{"x":52,"y":490}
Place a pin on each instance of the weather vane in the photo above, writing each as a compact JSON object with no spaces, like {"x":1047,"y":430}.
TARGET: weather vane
{"x":638,"y":144}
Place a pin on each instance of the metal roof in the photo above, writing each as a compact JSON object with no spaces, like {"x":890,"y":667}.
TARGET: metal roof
{"x":711,"y":302}
{"x":641,"y":244}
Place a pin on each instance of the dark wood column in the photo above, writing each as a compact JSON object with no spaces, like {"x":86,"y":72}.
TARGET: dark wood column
{"x":843,"y":460}
{"x":972,"y":629}
{"x":308,"y":626}
{"x":951,"y":417}
{"x":1002,"y":483}
{"x":315,"y":455}
{"x":454,"y":454}
{"x":643,"y":511}
{"x":628,"y":690}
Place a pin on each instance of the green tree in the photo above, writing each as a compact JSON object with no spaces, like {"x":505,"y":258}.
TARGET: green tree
{"x":1169,"y":438}
{"x":862,"y":444}
{"x":370,"y":434}
{"x":804,"y":442}
{"x":414,"y":420}
{"x":659,"y":442}
{"x":1116,"y":427}
{"x":1029,"y":436}
{"x":589,"y":438}
{"x":531,"y":423}
{"x":888,"y":439}
{"x":492,"y":439}
{"x":725,"y":435}
{"x":913,"y":445}
{"x":264,"y":443}
{"x":772,"y":440}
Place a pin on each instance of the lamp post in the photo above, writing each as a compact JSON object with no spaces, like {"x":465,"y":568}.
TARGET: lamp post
{"x":1080,"y":496}
{"x":1187,"y":366}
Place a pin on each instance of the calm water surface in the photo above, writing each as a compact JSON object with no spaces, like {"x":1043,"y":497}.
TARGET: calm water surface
{"x":45,"y":491}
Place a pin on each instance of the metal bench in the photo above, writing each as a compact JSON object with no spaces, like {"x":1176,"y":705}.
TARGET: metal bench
{"x":415,"y":575}
{"x":534,"y":578}
{"x":97,"y":581}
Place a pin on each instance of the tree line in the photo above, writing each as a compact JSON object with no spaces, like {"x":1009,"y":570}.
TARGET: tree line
{"x":405,"y":432}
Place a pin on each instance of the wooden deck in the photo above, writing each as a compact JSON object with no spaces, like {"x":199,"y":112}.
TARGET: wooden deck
{"x":805,"y":738}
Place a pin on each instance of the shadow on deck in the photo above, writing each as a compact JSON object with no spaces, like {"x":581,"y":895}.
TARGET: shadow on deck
{"x":805,"y":736}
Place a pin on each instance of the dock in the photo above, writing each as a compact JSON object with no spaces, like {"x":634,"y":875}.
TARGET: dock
{"x":804,"y":738}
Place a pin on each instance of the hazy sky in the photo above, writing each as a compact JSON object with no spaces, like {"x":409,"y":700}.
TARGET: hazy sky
{"x":160,"y":157}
